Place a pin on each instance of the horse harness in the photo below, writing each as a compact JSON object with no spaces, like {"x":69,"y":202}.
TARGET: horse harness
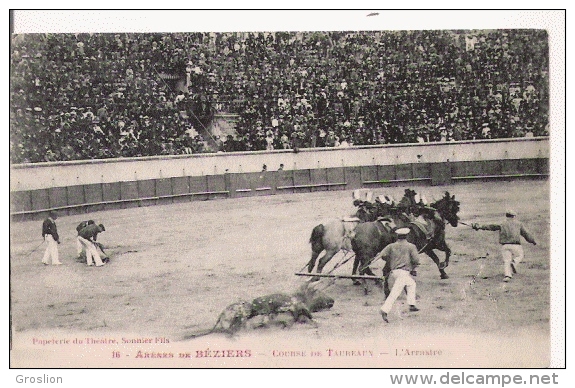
{"x":385,"y":223}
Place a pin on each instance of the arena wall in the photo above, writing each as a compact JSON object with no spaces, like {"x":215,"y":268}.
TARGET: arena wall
{"x":83,"y":186}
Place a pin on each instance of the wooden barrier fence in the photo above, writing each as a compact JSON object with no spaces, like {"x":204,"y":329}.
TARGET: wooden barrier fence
{"x":33,"y":204}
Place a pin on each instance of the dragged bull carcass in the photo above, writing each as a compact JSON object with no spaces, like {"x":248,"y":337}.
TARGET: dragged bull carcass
{"x":278,"y":309}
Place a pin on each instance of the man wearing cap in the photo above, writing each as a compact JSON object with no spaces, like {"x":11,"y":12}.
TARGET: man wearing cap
{"x":510,"y":232}
{"x":401,"y":260}
{"x":87,"y":237}
{"x":50,"y":235}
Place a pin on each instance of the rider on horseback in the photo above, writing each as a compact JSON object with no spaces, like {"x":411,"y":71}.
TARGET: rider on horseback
{"x":425,"y":217}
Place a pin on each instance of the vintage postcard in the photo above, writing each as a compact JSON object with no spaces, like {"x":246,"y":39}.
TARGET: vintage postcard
{"x":287,"y":189}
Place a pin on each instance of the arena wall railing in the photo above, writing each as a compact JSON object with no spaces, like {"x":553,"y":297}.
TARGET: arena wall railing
{"x":90,"y":185}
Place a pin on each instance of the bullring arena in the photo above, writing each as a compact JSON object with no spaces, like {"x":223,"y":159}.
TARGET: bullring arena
{"x":175,"y":267}
{"x":211,"y":157}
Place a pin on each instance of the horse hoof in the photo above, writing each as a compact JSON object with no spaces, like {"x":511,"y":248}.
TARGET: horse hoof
{"x":444,"y":276}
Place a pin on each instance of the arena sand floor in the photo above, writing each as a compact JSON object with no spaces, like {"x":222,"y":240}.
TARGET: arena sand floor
{"x":175,"y":267}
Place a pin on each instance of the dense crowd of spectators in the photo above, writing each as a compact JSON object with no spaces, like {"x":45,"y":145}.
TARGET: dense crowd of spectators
{"x":84,"y":96}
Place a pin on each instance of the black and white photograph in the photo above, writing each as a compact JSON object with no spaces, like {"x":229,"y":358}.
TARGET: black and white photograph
{"x":286,"y":189}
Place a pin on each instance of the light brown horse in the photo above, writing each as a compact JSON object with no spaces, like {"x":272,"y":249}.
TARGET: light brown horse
{"x":331,"y":236}
{"x":335,"y":235}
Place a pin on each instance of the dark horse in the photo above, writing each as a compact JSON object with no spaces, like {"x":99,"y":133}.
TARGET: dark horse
{"x":371,"y":237}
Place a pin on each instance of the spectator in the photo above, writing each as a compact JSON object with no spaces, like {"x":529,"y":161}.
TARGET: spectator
{"x":285,"y":142}
{"x":269,"y":140}
{"x":367,"y":87}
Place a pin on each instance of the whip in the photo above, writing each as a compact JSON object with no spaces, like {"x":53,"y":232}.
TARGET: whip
{"x":342,"y":262}
{"x":35,"y":249}
{"x":363,"y":267}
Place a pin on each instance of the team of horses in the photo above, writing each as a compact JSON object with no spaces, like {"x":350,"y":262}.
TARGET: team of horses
{"x":372,"y":228}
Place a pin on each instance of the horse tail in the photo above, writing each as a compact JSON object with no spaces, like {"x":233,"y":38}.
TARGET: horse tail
{"x":316,"y":238}
{"x":217,"y":328}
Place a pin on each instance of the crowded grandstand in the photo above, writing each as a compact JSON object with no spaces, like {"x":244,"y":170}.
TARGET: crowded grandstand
{"x":95,"y":96}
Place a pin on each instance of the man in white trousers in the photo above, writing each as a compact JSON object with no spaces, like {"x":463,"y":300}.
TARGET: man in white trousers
{"x":401,"y":260}
{"x":50,"y":234}
{"x":87,"y":238}
{"x":79,"y":246}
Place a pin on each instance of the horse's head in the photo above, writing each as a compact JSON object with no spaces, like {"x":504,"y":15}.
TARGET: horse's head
{"x":448,"y":208}
{"x":381,"y":209}
{"x":408,"y":201}
{"x":367,"y":211}
{"x":410,"y":195}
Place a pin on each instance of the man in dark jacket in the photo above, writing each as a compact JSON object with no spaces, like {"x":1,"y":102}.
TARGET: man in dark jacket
{"x":50,"y":235}
{"x":79,"y":246}
{"x":87,"y":237}
{"x":510,"y":232}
